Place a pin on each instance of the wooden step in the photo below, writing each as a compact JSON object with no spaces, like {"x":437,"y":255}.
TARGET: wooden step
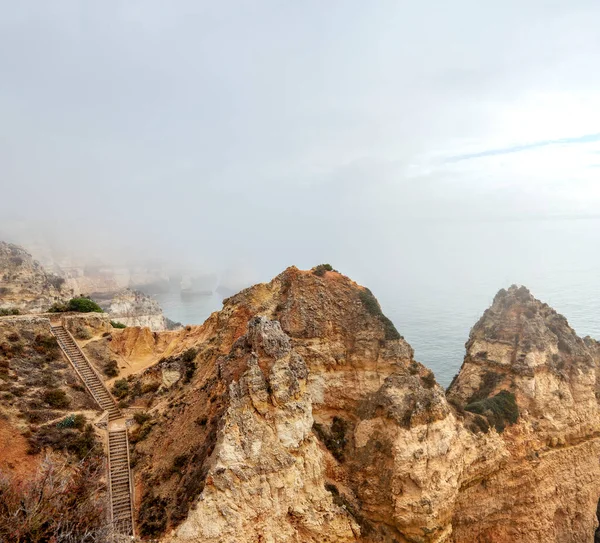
{"x":118,"y":446}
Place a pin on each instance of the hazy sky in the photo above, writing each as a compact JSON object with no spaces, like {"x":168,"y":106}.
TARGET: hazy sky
{"x":284,"y":132}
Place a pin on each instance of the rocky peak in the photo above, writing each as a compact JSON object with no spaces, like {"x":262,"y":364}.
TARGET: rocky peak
{"x":24,"y":284}
{"x":524,"y":347}
{"x":133,"y":308}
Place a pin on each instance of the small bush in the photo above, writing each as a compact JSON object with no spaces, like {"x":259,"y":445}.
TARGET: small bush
{"x":82,"y":332}
{"x":56,"y":281}
{"x":117,"y":324}
{"x":428,"y":380}
{"x":140,"y":418}
{"x":563,"y":346}
{"x":189,"y":355}
{"x":5,"y":311}
{"x":489,"y":381}
{"x":150,"y":387}
{"x":189,"y":364}
{"x":500,"y":410}
{"x":58,"y":307}
{"x":84,"y":305}
{"x":335,"y":438}
{"x":372,"y":306}
{"x":72,"y":421}
{"x":56,"y":398}
{"x":45,"y":344}
{"x":152,"y":517}
{"x":111,"y":368}
{"x":69,"y":435}
{"x":78,"y":305}
{"x":179,"y":462}
{"x":136,"y":389}
{"x":142,"y":432}
{"x":120,"y":389}
{"x":321,"y":269}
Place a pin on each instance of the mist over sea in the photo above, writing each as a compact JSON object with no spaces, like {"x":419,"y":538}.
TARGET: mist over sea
{"x":437,"y":279}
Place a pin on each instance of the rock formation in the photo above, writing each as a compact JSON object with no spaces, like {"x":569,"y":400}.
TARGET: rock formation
{"x":297,"y":413}
{"x":546,"y":489}
{"x":134,"y":308}
{"x":24,"y":284}
{"x":26,"y":287}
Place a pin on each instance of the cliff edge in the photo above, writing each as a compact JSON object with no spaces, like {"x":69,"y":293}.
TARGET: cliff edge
{"x":303,"y":416}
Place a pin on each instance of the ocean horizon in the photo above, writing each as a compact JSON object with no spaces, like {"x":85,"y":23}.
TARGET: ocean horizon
{"x":435,"y":300}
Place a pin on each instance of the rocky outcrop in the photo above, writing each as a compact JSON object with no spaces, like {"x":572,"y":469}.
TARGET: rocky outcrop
{"x":134,"y":308}
{"x":547,"y":487}
{"x":24,"y":284}
{"x":297,"y":413}
{"x":308,"y":419}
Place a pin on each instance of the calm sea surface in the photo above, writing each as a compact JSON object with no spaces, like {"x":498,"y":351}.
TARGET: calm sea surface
{"x":438,"y":280}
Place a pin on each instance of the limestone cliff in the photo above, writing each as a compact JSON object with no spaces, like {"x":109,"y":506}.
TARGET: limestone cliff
{"x":24,"y":284}
{"x":547,"y":488}
{"x":304,"y":417}
{"x":133,"y":308}
{"x":297,"y":413}
{"x":26,"y":287}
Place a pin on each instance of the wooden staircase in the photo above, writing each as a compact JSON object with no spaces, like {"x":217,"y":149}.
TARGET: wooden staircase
{"x":90,"y":378}
{"x":121,"y":490}
{"x":120,"y":484}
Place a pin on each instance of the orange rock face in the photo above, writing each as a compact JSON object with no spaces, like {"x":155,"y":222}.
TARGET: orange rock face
{"x":297,"y":413}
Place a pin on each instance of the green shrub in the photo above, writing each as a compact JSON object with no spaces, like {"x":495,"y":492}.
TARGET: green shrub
{"x":189,"y":355}
{"x":500,"y":410}
{"x":70,"y":435}
{"x":150,"y":387}
{"x":82,"y":332}
{"x":4,"y":311}
{"x":120,"y":389}
{"x":488,"y":383}
{"x":117,"y":324}
{"x":372,"y":306}
{"x":83,"y":305}
{"x":58,"y":307}
{"x":321,"y":269}
{"x":142,"y":432}
{"x":79,"y":305}
{"x":56,"y":398}
{"x":72,"y":421}
{"x":111,"y":368}
{"x":140,"y":418}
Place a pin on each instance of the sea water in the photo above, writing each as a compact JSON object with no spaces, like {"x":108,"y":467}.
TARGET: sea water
{"x":437,"y":280}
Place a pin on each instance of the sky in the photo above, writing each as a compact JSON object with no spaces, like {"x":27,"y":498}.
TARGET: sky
{"x":264,"y":133}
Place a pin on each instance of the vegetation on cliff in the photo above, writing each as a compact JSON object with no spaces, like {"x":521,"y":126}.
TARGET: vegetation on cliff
{"x":373,"y":307}
{"x":77,"y":305}
{"x":60,"y":503}
{"x":500,"y":410}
